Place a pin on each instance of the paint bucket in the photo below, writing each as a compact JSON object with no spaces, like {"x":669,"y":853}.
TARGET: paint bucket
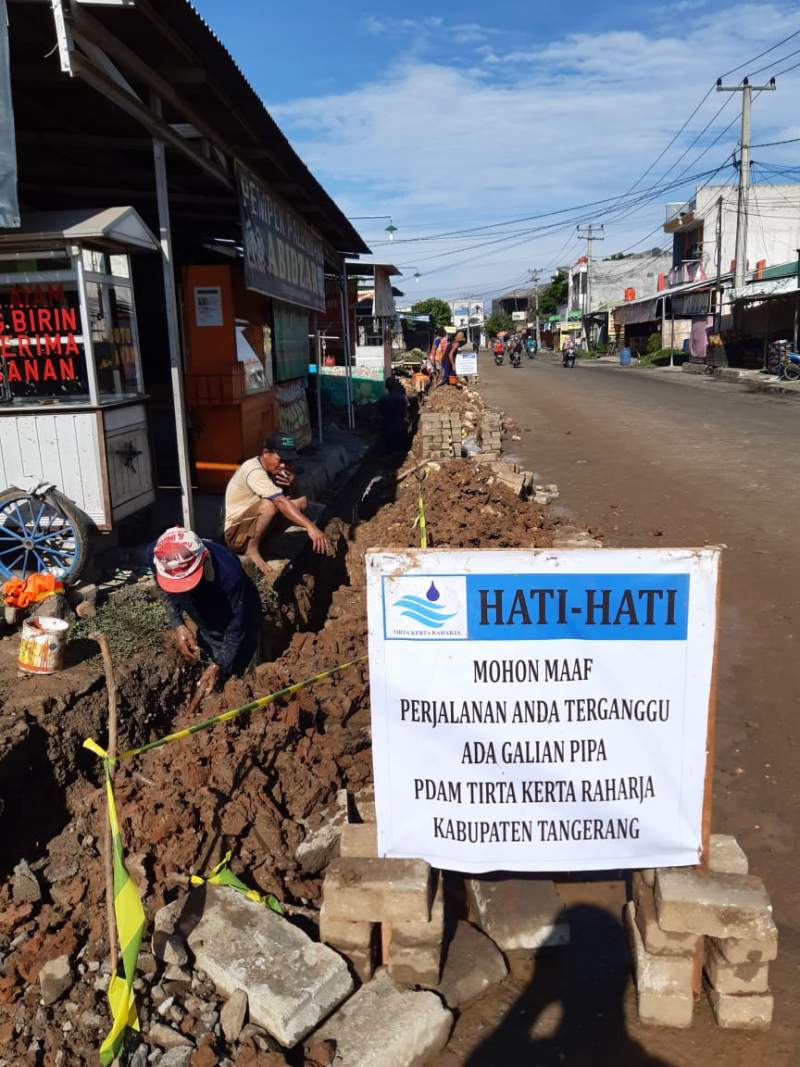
{"x":41,"y":645}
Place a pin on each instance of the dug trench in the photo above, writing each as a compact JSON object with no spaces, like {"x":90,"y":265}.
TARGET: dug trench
{"x":260,"y":787}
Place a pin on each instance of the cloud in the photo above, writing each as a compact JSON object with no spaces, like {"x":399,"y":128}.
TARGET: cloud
{"x":443,"y":147}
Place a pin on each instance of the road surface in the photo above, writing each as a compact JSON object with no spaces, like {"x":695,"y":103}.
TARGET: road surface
{"x":648,"y":459}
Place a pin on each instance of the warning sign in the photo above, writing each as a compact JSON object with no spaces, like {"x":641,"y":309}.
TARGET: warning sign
{"x":541,"y":711}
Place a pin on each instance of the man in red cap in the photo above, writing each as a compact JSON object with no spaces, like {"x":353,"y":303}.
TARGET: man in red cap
{"x":205,"y":581}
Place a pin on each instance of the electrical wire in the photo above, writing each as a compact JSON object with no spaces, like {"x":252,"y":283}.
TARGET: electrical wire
{"x":760,"y":54}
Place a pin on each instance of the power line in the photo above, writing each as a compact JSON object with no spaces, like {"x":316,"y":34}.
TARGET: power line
{"x":760,"y":54}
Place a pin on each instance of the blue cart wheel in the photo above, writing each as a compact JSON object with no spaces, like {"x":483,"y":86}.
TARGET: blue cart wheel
{"x":46,"y":534}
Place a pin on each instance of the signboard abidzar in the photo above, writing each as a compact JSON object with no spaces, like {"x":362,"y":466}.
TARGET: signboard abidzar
{"x":283,"y":256}
{"x":541,"y":711}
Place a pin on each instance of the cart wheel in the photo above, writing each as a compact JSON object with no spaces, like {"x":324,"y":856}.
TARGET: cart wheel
{"x":48,"y":534}
{"x":791,"y":372}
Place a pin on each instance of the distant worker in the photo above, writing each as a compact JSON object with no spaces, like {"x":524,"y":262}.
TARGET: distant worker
{"x":205,"y":581}
{"x":476,"y":345}
{"x":256,"y":495}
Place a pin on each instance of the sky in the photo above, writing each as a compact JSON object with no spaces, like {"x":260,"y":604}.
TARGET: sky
{"x":481,"y":118}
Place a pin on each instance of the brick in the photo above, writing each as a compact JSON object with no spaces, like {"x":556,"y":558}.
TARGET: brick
{"x":726,"y":856}
{"x":291,"y":982}
{"x":719,"y":905}
{"x":415,"y":949}
{"x":734,"y":977}
{"x":656,"y":940}
{"x":356,"y":941}
{"x":378,"y":890}
{"x":741,"y":1012}
{"x":518,"y":913}
{"x":359,"y":839}
{"x":657,"y":1009}
{"x":736,"y":950}
{"x":383,"y":1025}
{"x":663,"y":975}
{"x":648,"y":876}
{"x":472,"y":965}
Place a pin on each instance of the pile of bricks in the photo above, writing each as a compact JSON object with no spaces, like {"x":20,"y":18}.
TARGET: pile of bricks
{"x":441,"y":435}
{"x":725,"y":914}
{"x":491,"y":433}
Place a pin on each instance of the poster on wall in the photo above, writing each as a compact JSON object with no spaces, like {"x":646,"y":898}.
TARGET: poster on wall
{"x":291,"y":342}
{"x":556,"y":716}
{"x":208,"y":305}
{"x":283,"y":256}
{"x":294,"y":418}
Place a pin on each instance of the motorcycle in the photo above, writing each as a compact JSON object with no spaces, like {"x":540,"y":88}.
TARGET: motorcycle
{"x":568,"y":357}
{"x":516,"y":358}
{"x":498,"y":359}
{"x":531,"y":350}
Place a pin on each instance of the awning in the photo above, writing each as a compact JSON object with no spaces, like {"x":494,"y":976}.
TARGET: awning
{"x":641,"y":311}
{"x":766,"y":290}
{"x":118,"y":226}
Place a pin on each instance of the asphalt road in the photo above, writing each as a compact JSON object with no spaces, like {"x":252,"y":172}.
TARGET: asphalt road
{"x":648,"y":459}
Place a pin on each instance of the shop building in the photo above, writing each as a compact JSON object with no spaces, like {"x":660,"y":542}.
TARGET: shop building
{"x":195,"y":341}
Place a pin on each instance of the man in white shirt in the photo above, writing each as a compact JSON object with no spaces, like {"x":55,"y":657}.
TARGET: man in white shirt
{"x":255,"y":495}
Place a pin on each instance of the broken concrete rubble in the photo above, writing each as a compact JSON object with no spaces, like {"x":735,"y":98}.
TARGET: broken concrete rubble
{"x":233,"y":1015}
{"x":383,"y":1025}
{"x":291,"y":982}
{"x":55,"y":978}
{"x":473,"y":963}
{"x":518,"y":913}
{"x":726,"y":855}
{"x":25,"y":888}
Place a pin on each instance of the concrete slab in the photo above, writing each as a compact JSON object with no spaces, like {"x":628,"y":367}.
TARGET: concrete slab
{"x":518,"y":913}
{"x":384,"y":1025}
{"x":473,"y":964}
{"x":291,"y":982}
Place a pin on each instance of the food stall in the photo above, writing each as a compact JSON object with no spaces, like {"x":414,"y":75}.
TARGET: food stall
{"x":74,"y":443}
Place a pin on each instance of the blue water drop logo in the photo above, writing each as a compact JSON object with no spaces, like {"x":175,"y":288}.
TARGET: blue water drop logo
{"x":433,"y":593}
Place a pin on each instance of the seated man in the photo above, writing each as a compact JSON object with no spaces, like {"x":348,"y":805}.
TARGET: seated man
{"x":206,"y":582}
{"x":255,"y":495}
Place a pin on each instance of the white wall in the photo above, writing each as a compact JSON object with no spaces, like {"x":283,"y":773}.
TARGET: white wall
{"x":773,"y":231}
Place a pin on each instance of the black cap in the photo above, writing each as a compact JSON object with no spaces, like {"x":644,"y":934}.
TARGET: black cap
{"x":282,"y":443}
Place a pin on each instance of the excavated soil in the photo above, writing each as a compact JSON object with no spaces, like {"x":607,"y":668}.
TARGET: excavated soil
{"x":258,"y":786}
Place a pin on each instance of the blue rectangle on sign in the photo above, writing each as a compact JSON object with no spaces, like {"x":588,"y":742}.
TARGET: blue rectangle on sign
{"x":577,"y":607}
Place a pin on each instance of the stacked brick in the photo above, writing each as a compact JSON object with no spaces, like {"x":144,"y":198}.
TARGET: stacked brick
{"x":491,"y":433}
{"x":441,"y":435}
{"x":390,"y":907}
{"x":723,"y":913}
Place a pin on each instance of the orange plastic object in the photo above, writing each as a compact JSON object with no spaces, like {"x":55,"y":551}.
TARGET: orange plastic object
{"x":35,"y":588}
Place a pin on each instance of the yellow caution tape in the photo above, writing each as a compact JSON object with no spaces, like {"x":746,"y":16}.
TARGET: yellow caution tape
{"x":420,"y":519}
{"x":129,"y":914}
{"x":223,"y":875}
{"x":127,"y":902}
{"x":228,"y":716}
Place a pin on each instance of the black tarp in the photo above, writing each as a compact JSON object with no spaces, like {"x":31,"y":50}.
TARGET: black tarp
{"x":9,"y":205}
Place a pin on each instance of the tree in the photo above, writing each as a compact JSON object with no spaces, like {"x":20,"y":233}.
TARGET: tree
{"x":497,"y":322}
{"x":438,"y":310}
{"x":553,"y":295}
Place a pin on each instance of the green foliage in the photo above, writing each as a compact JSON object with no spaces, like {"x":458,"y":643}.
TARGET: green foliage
{"x":653,"y":343}
{"x":660,"y":358}
{"x":553,"y":295}
{"x":438,"y":310}
{"x":133,"y":621}
{"x":497,"y":322}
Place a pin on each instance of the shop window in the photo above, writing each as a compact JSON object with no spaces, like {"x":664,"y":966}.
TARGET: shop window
{"x":42,"y":355}
{"x":113,"y":333}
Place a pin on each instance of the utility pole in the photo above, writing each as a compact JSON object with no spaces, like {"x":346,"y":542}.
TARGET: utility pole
{"x":719,"y":264}
{"x":796,"y":306}
{"x":746,"y":89}
{"x":590,"y":235}
{"x":535,"y":279}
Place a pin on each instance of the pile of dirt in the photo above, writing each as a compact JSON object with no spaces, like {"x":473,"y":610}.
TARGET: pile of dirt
{"x":457,"y":398}
{"x":259,"y":786}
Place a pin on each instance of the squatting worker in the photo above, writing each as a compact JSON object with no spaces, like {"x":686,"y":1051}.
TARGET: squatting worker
{"x":256,"y":494}
{"x":205,"y":581}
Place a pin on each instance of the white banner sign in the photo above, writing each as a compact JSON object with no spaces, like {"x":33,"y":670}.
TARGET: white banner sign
{"x":466,"y":364}
{"x":541,"y":711}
